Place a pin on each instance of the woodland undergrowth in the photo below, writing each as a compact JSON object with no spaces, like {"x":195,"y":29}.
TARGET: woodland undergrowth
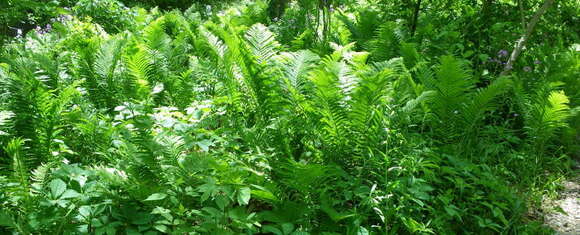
{"x":287,"y":117}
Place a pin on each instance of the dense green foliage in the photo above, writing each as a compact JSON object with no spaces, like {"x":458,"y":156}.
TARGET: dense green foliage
{"x":286,"y":117}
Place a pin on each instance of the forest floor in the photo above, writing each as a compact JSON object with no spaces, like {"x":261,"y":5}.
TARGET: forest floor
{"x":567,"y":223}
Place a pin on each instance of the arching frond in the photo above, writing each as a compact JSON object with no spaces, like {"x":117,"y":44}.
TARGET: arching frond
{"x":107,"y":57}
{"x":5,"y":121}
{"x":548,"y":113}
{"x":296,"y":66}
{"x":218,"y":46}
{"x":140,"y":67}
{"x":332,"y":98}
{"x":155,"y":36}
{"x":425,"y":97}
{"x":482,"y":101}
{"x":19,"y":167}
{"x":453,"y":85}
{"x":557,"y":110}
{"x":262,"y":43}
{"x":386,"y":42}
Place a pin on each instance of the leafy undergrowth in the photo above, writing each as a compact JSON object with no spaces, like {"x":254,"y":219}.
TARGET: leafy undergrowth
{"x":179,"y":123}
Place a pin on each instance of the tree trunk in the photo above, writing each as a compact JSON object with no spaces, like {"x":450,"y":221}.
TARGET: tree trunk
{"x":529,"y":29}
{"x":415,"y":17}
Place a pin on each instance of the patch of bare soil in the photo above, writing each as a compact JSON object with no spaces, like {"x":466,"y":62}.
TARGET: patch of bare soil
{"x":563,"y":214}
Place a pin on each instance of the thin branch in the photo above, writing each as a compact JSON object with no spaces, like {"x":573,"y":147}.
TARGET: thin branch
{"x":520,"y":43}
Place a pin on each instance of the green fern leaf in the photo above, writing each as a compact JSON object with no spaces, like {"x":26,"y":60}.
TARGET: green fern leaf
{"x":482,"y":101}
{"x":262,"y":43}
{"x":140,"y":67}
{"x":296,"y":68}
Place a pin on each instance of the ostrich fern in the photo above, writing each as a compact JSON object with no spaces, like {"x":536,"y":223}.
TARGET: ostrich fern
{"x":456,"y":103}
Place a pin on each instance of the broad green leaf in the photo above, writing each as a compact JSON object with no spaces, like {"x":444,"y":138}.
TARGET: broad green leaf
{"x":222,"y":201}
{"x":156,"y":197}
{"x":244,"y":195}
{"x":160,"y":210}
{"x":362,"y":231}
{"x":70,"y":194}
{"x":57,"y":187}
{"x":271,"y":229}
{"x":212,"y":211}
{"x":85,"y":211}
{"x":205,"y":144}
{"x":161,"y":228}
{"x":333,"y":214}
{"x":263,"y":193}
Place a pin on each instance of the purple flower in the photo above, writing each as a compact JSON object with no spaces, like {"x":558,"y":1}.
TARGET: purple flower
{"x":45,"y":30}
{"x":527,"y":68}
{"x":537,"y":62}
{"x":502,"y":53}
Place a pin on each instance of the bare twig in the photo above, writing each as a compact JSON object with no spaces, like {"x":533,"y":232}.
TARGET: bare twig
{"x":529,"y":29}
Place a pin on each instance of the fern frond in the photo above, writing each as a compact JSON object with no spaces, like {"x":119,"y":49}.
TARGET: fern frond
{"x":25,"y":96}
{"x":332,"y":99}
{"x":368,"y":97}
{"x":409,"y":54}
{"x":347,"y":82}
{"x":262,"y":43}
{"x":107,"y":57}
{"x":240,"y":77}
{"x":15,"y":149}
{"x":453,"y":85}
{"x":482,"y":101}
{"x":155,"y":36}
{"x":39,"y":177}
{"x":302,"y":177}
{"x":557,"y":110}
{"x":402,"y":79}
{"x":386,"y":43}
{"x":47,"y":69}
{"x":453,"y":78}
{"x":296,"y":66}
{"x":5,"y":122}
{"x":217,"y":46}
{"x":140,"y":67}
{"x":425,"y":75}
{"x":425,"y":97}
{"x":545,"y":113}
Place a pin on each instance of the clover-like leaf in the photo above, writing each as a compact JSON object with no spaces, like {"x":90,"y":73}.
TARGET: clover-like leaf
{"x":57,"y":187}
